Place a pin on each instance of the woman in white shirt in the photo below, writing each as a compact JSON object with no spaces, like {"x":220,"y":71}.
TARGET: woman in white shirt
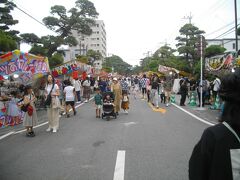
{"x":53,"y":109}
{"x":70,"y":94}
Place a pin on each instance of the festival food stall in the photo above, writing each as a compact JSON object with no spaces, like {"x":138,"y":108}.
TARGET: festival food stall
{"x":18,"y":69}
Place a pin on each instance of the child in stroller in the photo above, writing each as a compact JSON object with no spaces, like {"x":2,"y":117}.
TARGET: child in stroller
{"x":108,"y":106}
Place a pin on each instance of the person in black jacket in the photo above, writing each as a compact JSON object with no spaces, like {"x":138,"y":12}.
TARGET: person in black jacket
{"x":217,"y":155}
{"x":183,"y":92}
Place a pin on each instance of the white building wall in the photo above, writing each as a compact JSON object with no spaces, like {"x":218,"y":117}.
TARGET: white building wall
{"x":229,"y":44}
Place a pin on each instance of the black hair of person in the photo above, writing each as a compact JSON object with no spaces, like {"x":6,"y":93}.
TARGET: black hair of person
{"x":26,"y":89}
{"x":230,"y":93}
{"x":53,"y":79}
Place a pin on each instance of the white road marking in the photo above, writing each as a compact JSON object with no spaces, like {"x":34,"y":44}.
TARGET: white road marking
{"x":129,"y":123}
{"x":194,"y":116}
{"x":42,"y":124}
{"x":6,"y":135}
{"x":119,"y":167}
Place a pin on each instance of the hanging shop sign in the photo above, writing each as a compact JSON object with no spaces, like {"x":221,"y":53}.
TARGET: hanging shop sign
{"x":27,"y":66}
{"x":221,"y":62}
{"x":165,"y":69}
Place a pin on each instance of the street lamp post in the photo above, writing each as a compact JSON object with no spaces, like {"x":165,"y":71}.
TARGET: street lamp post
{"x":236,"y":34}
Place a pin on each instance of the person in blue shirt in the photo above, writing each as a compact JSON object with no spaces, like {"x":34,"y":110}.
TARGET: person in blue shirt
{"x":102,"y":84}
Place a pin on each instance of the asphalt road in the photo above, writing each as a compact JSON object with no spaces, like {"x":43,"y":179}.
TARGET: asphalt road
{"x":155,"y":146}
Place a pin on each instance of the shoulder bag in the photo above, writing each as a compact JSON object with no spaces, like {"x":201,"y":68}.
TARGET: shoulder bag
{"x":49,"y":98}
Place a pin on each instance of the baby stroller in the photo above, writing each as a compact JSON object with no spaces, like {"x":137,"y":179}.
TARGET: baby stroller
{"x":108,"y":106}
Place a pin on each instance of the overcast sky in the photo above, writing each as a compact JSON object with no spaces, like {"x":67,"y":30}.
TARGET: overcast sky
{"x":135,"y":27}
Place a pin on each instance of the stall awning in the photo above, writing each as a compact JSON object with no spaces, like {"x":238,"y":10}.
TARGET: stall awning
{"x":27,"y":66}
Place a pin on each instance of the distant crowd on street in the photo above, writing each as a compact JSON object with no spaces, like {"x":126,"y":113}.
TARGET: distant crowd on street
{"x":61,"y":97}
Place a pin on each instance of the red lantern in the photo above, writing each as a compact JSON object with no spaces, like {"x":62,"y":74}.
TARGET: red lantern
{"x":75,"y":74}
{"x":55,"y":73}
{"x":84,"y":75}
{"x":64,"y":70}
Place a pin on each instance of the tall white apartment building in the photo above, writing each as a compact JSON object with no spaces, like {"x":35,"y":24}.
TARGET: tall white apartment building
{"x":96,"y":41}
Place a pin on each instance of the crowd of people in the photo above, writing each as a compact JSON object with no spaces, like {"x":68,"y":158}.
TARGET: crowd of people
{"x":66,"y":94}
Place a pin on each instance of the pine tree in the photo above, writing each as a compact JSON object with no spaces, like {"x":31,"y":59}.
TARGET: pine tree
{"x":6,"y":18}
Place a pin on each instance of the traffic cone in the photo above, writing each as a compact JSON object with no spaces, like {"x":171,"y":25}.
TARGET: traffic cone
{"x":172,"y":99}
{"x":193,"y":100}
{"x":216,"y":104}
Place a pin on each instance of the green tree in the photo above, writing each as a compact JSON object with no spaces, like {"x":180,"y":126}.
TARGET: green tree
{"x":38,"y":50}
{"x":7,"y":43}
{"x":30,"y":38}
{"x":153,"y":65}
{"x":79,"y":18}
{"x":56,"y":60}
{"x":6,"y":19}
{"x":117,"y":63}
{"x":136,"y":69}
{"x":187,"y":42}
{"x":214,"y":50}
{"x":93,"y":55}
{"x":163,"y":54}
{"x":83,"y":59}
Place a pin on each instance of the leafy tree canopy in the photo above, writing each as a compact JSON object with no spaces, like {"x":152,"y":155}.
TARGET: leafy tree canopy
{"x":94,"y":54}
{"x":187,"y":40}
{"x":164,"y":52}
{"x":117,"y":63}
{"x":56,"y":60}
{"x":7,"y":43}
{"x":30,"y":38}
{"x":82,"y":59}
{"x":6,"y":19}
{"x":214,"y":50}
{"x":79,"y":18}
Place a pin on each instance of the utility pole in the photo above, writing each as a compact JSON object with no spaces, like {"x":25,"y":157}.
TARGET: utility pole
{"x":148,"y":54}
{"x":201,"y":49}
{"x":236,"y":35}
{"x":189,"y":17}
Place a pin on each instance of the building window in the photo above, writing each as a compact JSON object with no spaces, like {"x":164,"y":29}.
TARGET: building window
{"x":234,"y":47}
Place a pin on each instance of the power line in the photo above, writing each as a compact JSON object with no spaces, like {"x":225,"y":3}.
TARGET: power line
{"x":29,"y":15}
{"x":220,"y":28}
{"x":227,"y":32}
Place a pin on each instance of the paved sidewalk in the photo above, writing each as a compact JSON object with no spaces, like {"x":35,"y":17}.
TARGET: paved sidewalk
{"x":207,"y":114}
{"x":42,"y":117}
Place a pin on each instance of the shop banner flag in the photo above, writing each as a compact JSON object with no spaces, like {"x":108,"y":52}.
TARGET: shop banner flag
{"x":28,"y":66}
